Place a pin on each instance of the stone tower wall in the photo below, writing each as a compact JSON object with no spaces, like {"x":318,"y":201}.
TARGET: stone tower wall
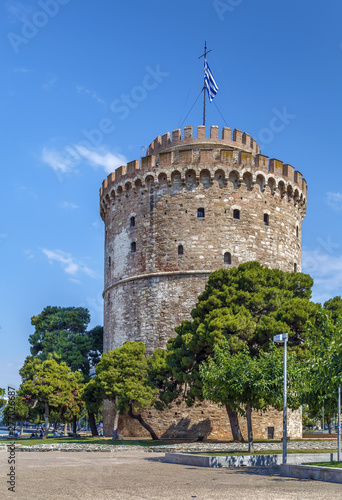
{"x":151,"y":288}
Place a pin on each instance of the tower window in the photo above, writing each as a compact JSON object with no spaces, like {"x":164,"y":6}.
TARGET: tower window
{"x":132,"y":222}
{"x":109,"y":262}
{"x":236,"y":213}
{"x":266,"y":219}
{"x":200,"y":212}
{"x":295,"y":267}
{"x":180,"y":250}
{"x":133,"y":247}
{"x":297,"y":231}
{"x":227,"y":258}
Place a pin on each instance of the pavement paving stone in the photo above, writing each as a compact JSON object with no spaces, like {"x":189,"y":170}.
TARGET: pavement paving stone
{"x":127,"y":475}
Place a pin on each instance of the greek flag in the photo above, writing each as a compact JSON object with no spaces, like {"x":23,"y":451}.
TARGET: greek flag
{"x":209,"y":81}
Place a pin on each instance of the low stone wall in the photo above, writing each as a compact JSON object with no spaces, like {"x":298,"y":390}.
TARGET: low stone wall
{"x":331,"y":474}
{"x":246,"y":460}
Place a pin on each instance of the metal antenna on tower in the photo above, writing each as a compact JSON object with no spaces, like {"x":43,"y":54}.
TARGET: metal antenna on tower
{"x":204,"y":85}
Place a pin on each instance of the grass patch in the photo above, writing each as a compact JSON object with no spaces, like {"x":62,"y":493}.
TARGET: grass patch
{"x":86,"y":440}
{"x":258,"y":452}
{"x":337,"y":465}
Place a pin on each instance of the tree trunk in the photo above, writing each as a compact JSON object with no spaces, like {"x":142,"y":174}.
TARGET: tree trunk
{"x":46,"y":418}
{"x":142,"y":422}
{"x":92,"y":424}
{"x":21,"y":427}
{"x":249,"y":429}
{"x":116,"y":419}
{"x":65,"y":429}
{"x":74,"y":425}
{"x":234,"y":424}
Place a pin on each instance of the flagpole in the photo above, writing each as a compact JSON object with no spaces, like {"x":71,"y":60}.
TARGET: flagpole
{"x":204,"y":86}
{"x":205,"y":60}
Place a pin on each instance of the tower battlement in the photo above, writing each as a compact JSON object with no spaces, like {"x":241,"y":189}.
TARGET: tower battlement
{"x":221,"y":160}
{"x":239,"y":140}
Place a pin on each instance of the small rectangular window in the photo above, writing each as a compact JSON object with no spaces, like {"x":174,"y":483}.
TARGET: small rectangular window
{"x":133,"y":247}
{"x":236,"y":214}
{"x":270,"y":432}
{"x":266,"y":219}
{"x":132,"y":222}
{"x":295,"y":267}
{"x":200,"y":212}
{"x":227,"y":258}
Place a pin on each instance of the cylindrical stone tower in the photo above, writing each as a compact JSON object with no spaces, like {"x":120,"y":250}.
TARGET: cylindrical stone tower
{"x":189,"y":207}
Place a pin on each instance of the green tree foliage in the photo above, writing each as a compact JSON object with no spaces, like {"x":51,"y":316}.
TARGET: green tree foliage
{"x":322,"y":373}
{"x":19,"y":412}
{"x":63,"y":331}
{"x":122,"y":375}
{"x":246,"y":306}
{"x":334,"y":306}
{"x":96,"y":349}
{"x":51,"y":384}
{"x":92,"y":396}
{"x":2,"y":400}
{"x":160,"y":379}
{"x":248,"y":382}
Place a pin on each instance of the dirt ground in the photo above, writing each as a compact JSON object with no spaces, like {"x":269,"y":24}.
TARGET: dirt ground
{"x":141,"y":475}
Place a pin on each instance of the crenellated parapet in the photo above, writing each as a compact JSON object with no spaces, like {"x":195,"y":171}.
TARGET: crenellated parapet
{"x":189,"y":160}
{"x":237,"y":140}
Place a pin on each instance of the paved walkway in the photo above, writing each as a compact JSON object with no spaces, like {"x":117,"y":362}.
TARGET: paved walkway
{"x":139,"y":475}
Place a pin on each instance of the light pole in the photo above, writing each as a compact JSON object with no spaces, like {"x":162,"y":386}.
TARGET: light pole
{"x":339,"y":425}
{"x":283,"y":337}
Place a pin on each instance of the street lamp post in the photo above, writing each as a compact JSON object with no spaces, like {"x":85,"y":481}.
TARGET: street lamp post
{"x":339,"y":425}
{"x":283,"y":337}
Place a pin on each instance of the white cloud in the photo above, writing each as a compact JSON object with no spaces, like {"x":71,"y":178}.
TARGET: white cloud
{"x":50,"y":82}
{"x":28,"y":254}
{"x":61,"y":163}
{"x":326,"y":270}
{"x":65,"y":161}
{"x":101,"y":157}
{"x":334,"y":200}
{"x":70,"y":264}
{"x":67,"y":205}
{"x":82,"y":90}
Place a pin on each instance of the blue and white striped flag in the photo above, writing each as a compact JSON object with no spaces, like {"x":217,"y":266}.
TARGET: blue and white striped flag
{"x":209,"y":81}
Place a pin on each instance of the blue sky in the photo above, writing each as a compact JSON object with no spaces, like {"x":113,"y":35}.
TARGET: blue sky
{"x":86,"y":85}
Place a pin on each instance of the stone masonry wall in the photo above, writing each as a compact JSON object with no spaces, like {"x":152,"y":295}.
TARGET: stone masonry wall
{"x":205,"y":419}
